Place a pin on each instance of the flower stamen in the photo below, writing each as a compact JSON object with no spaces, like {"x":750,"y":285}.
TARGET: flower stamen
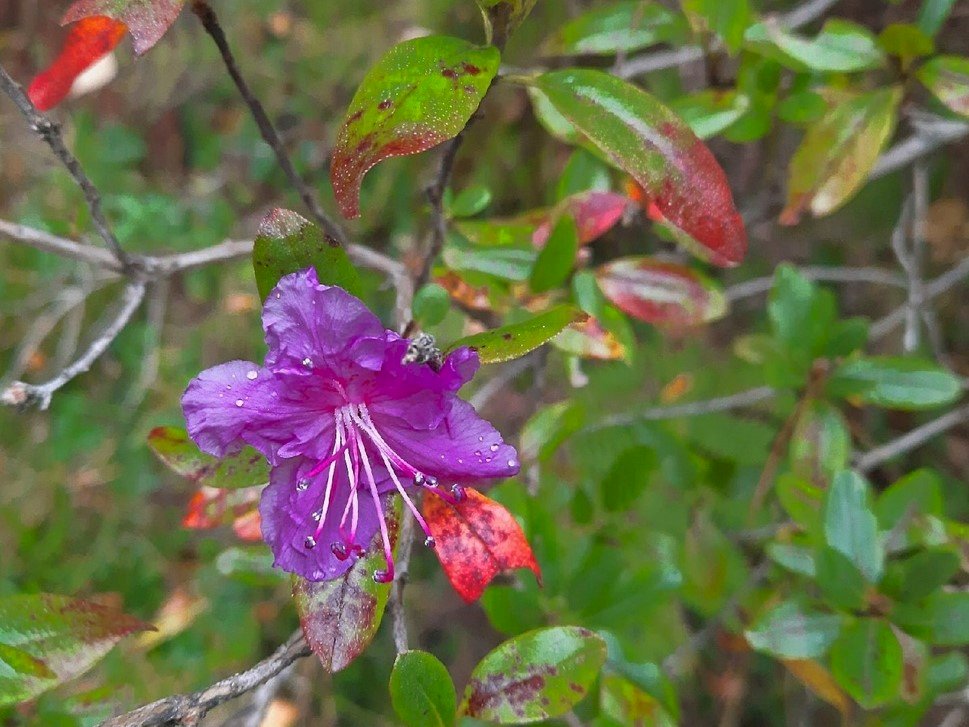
{"x":380,"y":576}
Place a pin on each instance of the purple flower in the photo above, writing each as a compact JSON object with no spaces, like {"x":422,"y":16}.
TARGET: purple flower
{"x":344,"y":416}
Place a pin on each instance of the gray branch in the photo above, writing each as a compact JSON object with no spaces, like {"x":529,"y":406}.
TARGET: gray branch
{"x":911,"y":440}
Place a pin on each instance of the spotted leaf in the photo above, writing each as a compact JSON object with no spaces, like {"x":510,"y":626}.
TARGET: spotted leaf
{"x":340,"y":617}
{"x":421,"y":93}
{"x":535,"y":676}
{"x":647,"y":140}
{"x":87,"y":43}
{"x":476,"y":539}
{"x":517,"y":339}
{"x":659,"y":292}
{"x":46,"y":640}
{"x":148,"y":20}
{"x":595,"y":213}
{"x":172,"y":445}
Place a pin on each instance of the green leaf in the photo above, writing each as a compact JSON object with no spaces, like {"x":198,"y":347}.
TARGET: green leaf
{"x":789,"y":631}
{"x":628,"y":478}
{"x":867,"y":661}
{"x":469,"y":202}
{"x":173,"y":446}
{"x":933,"y":14}
{"x":839,"y":580}
{"x":821,"y":445}
{"x":947,"y":77}
{"x":556,"y":260}
{"x":905,"y":41}
{"x":517,"y":339}
{"x":727,"y":18}
{"x":548,"y":429}
{"x":583,"y":172}
{"x":288,"y":243}
{"x":502,"y":17}
{"x":801,"y":500}
{"x":644,"y":138}
{"x":712,"y":111}
{"x":421,"y":691}
{"x":838,"y":152}
{"x":850,"y":525}
{"x":802,"y":107}
{"x":916,"y":494}
{"x":796,"y":558}
{"x":942,"y":619}
{"x":340,"y":617}
{"x":615,"y":28}
{"x":840,"y":47}
{"x":918,"y":576}
{"x":46,"y":640}
{"x":421,"y":93}
{"x":512,"y":610}
{"x":508,"y":262}
{"x":895,"y":382}
{"x":431,"y":305}
{"x":537,"y":675}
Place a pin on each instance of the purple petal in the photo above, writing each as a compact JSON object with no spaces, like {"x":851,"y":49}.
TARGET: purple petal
{"x":306,"y":321}
{"x":459,"y":444}
{"x":287,"y":515}
{"x":240,"y":403}
{"x":399,"y":379}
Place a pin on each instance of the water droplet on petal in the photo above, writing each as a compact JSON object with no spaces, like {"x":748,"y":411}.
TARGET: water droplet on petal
{"x":302,"y":485}
{"x":431,"y":482}
{"x":252,"y":375}
{"x":512,"y":463}
{"x":477,"y":453}
{"x":239,"y":402}
{"x":494,"y":448}
{"x":430,"y":542}
{"x":418,"y":479}
{"x":308,"y":362}
{"x":458,"y":493}
{"x":318,"y":515}
{"x":382,"y":576}
{"x":339,"y":551}
{"x":481,"y":438}
{"x":309,"y":543}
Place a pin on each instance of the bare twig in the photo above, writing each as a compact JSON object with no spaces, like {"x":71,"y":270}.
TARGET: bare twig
{"x":21,"y":395}
{"x":911,"y":440}
{"x":875,"y":276}
{"x":188,"y":709}
{"x":930,"y":292}
{"x":506,"y":374}
{"x":656,"y":61}
{"x":696,"y":408}
{"x":900,"y":238}
{"x":157,"y":306}
{"x":435,"y":195}
{"x":51,"y":134}
{"x":405,"y":544}
{"x":210,"y":22}
{"x":262,"y":697}
{"x":929,"y":136}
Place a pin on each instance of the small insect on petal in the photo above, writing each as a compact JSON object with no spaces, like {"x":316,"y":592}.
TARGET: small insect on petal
{"x":88,"y":41}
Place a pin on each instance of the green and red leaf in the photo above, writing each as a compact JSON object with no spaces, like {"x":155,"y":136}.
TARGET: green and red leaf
{"x":46,"y":640}
{"x":475,"y":541}
{"x":173,"y":446}
{"x":661,"y":293}
{"x":595,"y":213}
{"x":947,"y":77}
{"x":537,"y":675}
{"x":340,"y":617}
{"x":148,"y":20}
{"x":212,"y":508}
{"x":419,"y":94}
{"x":641,"y":136}
{"x":86,"y":43}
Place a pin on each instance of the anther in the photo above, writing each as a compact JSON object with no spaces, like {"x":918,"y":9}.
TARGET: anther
{"x":430,"y":542}
{"x":340,"y":551}
{"x":382,"y":576}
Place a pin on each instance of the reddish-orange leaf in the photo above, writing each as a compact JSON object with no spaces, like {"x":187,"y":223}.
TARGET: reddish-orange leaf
{"x":476,"y":540}
{"x":212,"y":507}
{"x":148,"y":20}
{"x":595,"y":213}
{"x":88,"y":42}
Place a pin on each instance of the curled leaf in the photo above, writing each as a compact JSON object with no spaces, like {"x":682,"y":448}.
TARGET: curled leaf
{"x":148,"y":20}
{"x":475,"y":541}
{"x":86,"y":43}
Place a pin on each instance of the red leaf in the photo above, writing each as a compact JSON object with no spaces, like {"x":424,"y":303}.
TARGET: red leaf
{"x":148,"y":20}
{"x":659,"y":292}
{"x":211,"y":508}
{"x":87,"y":43}
{"x":476,"y":540}
{"x":595,"y":213}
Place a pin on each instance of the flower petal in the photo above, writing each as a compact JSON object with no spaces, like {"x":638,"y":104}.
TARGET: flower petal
{"x":242,"y":403}
{"x":459,"y":444}
{"x":399,"y":379}
{"x":288,"y":519}
{"x":307,"y":321}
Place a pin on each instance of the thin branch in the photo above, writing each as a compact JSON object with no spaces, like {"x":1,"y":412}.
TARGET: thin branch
{"x":912,"y":440}
{"x":500,"y":380}
{"x":656,"y":61}
{"x":875,"y":276}
{"x":188,"y":709}
{"x":697,"y":408}
{"x":435,"y":194}
{"x":900,"y":238}
{"x":210,"y":22}
{"x":22,"y":395}
{"x":942,"y":284}
{"x":51,"y":134}
{"x":929,"y":136}
{"x":405,"y":545}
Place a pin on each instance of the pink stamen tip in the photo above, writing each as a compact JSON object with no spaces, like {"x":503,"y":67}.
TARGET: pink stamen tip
{"x":383,"y":576}
{"x":358,"y":550}
{"x":430,"y":542}
{"x":339,"y":551}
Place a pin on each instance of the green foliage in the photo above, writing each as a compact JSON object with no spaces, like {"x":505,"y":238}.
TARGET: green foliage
{"x":421,"y":691}
{"x":517,"y":339}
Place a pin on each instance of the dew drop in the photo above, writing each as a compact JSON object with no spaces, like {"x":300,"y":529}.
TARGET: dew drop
{"x":481,"y":438}
{"x":382,"y":576}
{"x":512,"y":463}
{"x":458,"y":493}
{"x":309,"y":543}
{"x":477,"y":453}
{"x":302,"y":485}
{"x":339,"y":551}
{"x":430,"y":542}
{"x":308,"y":362}
{"x":239,"y":402}
{"x":418,"y":479}
{"x":494,"y":448}
{"x":431,"y":482}
{"x":318,"y":515}
{"x":252,"y":375}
